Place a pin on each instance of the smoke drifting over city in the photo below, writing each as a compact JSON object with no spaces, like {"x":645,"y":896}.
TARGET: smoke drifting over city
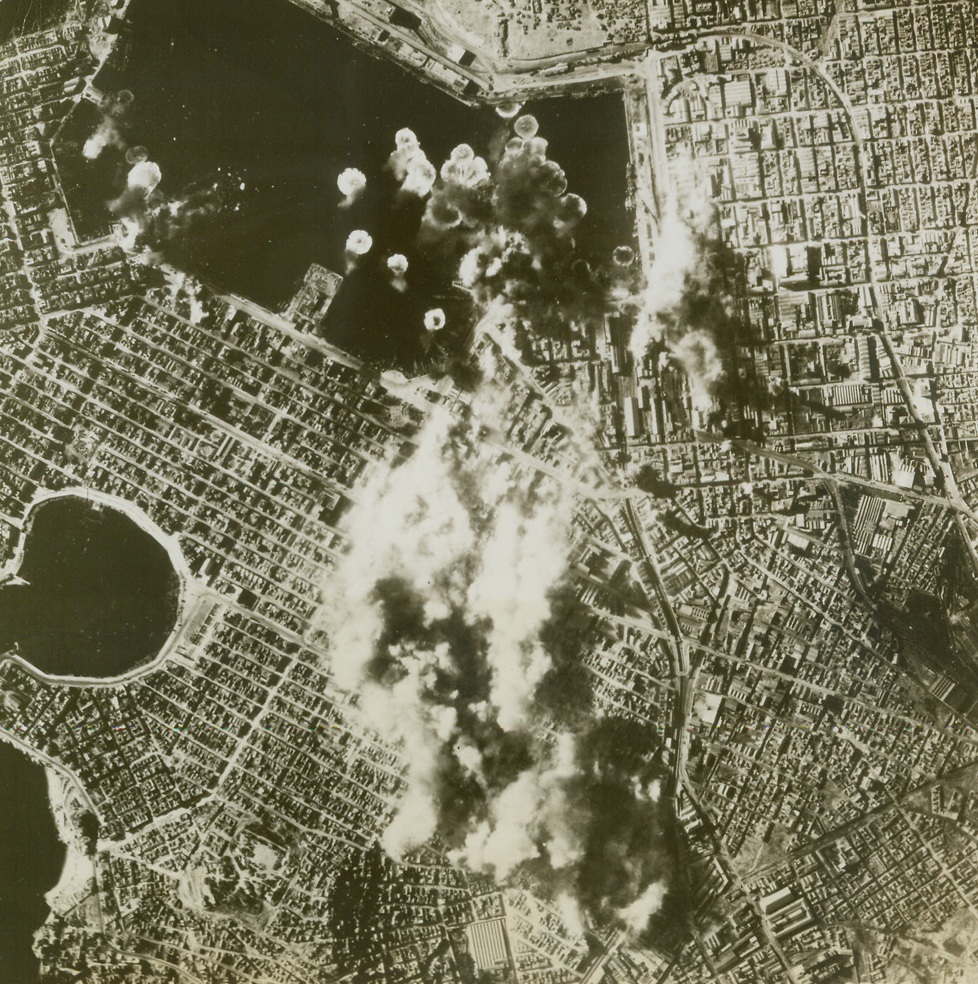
{"x":459,"y":629}
{"x":685,"y":308}
{"x":450,"y":621}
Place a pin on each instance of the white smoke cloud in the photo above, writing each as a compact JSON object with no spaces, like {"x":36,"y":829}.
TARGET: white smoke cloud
{"x":410,"y":165}
{"x":426,"y":531}
{"x":519,"y":567}
{"x":130,"y":230}
{"x":147,"y":220}
{"x":352,"y":183}
{"x":133,"y":207}
{"x":464,"y":181}
{"x":397,"y":267}
{"x":403,"y":716}
{"x":186,"y":291}
{"x":507,"y":840}
{"x":532,"y":810}
{"x":106,"y":135}
{"x":497,"y":253}
{"x":136,"y":154}
{"x":526,"y":126}
{"x":434,"y":320}
{"x":358,"y":244}
{"x":461,"y":532}
{"x":397,"y":264}
{"x":676,"y":258}
{"x":465,"y":169}
{"x":144,"y":176}
{"x":697,"y":353}
{"x":636,"y":916}
{"x":679,"y":268}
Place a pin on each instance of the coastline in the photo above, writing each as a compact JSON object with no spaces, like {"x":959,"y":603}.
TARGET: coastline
{"x":48,"y":860}
{"x":78,"y":870}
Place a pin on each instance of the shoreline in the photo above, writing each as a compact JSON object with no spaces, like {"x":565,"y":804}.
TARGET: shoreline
{"x":78,"y":869}
{"x":75,"y":879}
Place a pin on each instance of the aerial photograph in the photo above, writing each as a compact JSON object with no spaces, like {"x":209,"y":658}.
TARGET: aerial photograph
{"x":489,"y":491}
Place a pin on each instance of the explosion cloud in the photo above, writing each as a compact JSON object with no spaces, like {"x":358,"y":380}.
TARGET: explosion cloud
{"x":507,"y":226}
{"x":623,"y":256}
{"x":147,"y":219}
{"x":434,"y":320}
{"x":108,"y":133}
{"x":358,"y":244}
{"x":526,"y":127}
{"x":462,"y":194}
{"x":397,"y":264}
{"x":136,"y":154}
{"x":152,"y":222}
{"x":135,"y":206}
{"x":508,"y":110}
{"x":144,"y":176}
{"x":513,"y":225}
{"x":397,"y":267}
{"x":351,"y":183}
{"x":410,"y":165}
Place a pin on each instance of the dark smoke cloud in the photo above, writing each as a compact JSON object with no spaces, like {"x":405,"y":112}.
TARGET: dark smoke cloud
{"x":154,"y":224}
{"x":580,"y":818}
{"x":512,"y":227}
{"x":626,"y":865}
{"x":461,"y":630}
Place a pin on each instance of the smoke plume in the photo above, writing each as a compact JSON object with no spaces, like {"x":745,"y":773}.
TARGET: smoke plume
{"x":685,"y":309}
{"x":457,"y":622}
{"x":150,"y":222}
{"x":137,"y":202}
{"x":107,"y":135}
{"x":109,"y":132}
